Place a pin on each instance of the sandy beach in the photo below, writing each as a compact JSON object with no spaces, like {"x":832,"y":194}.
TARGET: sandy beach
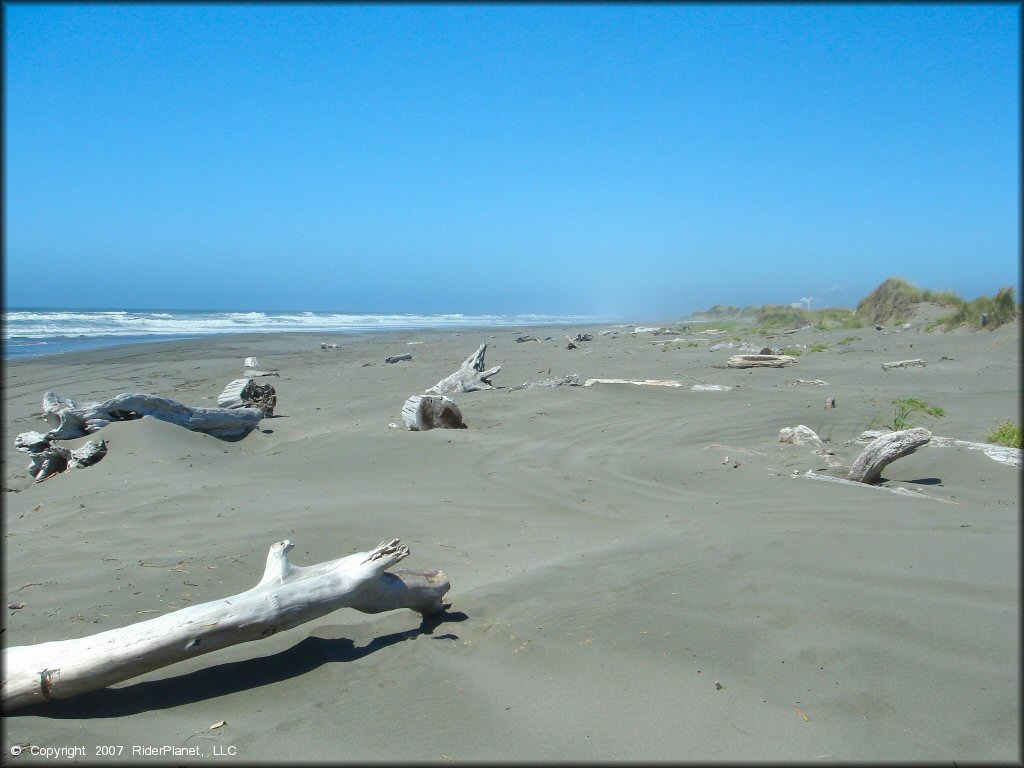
{"x":637,"y":572}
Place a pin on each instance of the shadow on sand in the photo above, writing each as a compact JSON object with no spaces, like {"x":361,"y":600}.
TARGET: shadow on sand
{"x":232,"y":677}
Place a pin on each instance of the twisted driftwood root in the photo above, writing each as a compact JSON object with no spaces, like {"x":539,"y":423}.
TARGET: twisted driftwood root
{"x":884,"y":450}
{"x":469,"y":378}
{"x":285,"y":597}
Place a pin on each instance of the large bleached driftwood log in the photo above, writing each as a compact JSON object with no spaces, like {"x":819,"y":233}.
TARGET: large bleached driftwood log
{"x":637,"y":382}
{"x":69,"y":420}
{"x":884,"y":450}
{"x":423,"y":412}
{"x":285,"y":597}
{"x":760,"y":361}
{"x":246,"y":393}
{"x":469,"y":378}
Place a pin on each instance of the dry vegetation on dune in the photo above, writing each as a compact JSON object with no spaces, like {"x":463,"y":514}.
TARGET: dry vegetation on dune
{"x":893,"y":302}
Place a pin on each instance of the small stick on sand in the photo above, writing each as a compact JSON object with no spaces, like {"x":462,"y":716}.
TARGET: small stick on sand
{"x":903,"y":364}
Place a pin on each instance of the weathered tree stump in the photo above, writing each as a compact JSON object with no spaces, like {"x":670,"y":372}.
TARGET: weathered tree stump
{"x":285,"y":597}
{"x":884,"y":450}
{"x":423,"y":412}
{"x":246,"y":393}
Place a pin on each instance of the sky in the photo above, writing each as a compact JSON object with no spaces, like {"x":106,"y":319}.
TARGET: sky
{"x":631,"y":161}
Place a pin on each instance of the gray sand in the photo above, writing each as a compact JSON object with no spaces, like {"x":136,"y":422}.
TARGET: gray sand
{"x":636,"y":574}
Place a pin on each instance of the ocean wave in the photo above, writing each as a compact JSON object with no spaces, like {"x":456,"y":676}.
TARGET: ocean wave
{"x":24,"y":325}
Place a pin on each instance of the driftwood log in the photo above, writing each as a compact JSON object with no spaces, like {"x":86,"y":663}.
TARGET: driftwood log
{"x":903,"y":364}
{"x":760,"y":361}
{"x":470,"y":377}
{"x":285,"y":597}
{"x":884,"y":450}
{"x":246,"y":393}
{"x":423,"y":412}
{"x":69,"y":420}
{"x":398,"y":358}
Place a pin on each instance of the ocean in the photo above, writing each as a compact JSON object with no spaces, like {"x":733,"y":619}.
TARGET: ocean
{"x":33,"y":332}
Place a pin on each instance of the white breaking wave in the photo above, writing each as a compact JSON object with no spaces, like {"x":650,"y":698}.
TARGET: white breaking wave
{"x":26,"y":324}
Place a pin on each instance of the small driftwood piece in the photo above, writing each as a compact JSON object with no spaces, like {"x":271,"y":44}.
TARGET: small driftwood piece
{"x":884,"y":450}
{"x":903,"y":364}
{"x":710,"y":388}
{"x":582,"y":337}
{"x":760,"y":361}
{"x":325,"y":345}
{"x":469,"y":378}
{"x":812,"y":475}
{"x":286,"y":596}
{"x":69,"y":420}
{"x":398,"y":358}
{"x":246,"y":393}
{"x":423,"y":412}
{"x":817,"y":382}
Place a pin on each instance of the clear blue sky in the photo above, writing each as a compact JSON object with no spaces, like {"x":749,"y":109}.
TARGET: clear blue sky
{"x":640,"y":161}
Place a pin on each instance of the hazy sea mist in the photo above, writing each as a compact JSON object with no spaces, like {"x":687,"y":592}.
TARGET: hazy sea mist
{"x":31,"y":332}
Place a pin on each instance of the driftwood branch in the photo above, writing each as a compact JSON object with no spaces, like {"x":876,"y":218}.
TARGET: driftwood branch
{"x":423,"y":412}
{"x":285,"y":597}
{"x":398,"y":358}
{"x":902,"y":364}
{"x":470,"y":377}
{"x":884,"y":450}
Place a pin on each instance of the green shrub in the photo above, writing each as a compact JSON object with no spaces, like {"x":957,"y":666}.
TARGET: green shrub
{"x":819,"y":346}
{"x":793,"y":351}
{"x":1008,"y":433}
{"x":848,"y":340}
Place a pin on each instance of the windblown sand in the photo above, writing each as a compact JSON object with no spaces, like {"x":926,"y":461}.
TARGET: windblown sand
{"x":636,"y":573}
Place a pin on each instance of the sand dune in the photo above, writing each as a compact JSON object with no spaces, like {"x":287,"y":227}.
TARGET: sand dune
{"x":636,"y":574}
